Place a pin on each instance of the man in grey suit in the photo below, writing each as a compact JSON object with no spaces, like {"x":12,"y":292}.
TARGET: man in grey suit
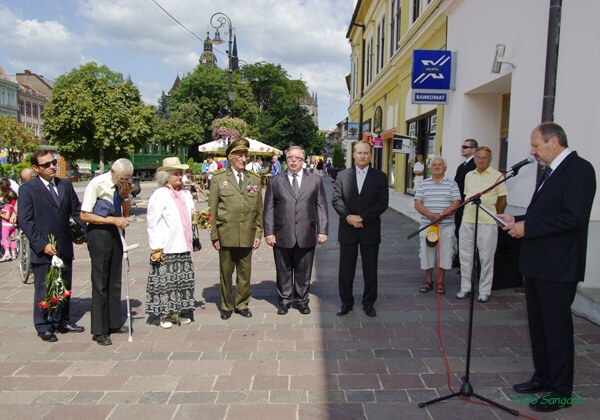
{"x":295,"y":220}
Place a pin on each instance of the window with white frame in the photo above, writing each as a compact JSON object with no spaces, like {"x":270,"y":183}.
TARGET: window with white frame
{"x":416,"y":9}
{"x":369,"y":62}
{"x":380,"y":45}
{"x":354,"y":78}
{"x":395,"y":15}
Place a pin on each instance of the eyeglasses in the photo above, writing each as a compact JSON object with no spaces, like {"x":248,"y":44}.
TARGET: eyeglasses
{"x":468,"y":147}
{"x":48,"y":164}
{"x":293,"y":158}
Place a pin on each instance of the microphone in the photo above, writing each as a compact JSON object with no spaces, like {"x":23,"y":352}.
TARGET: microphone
{"x":522,"y":163}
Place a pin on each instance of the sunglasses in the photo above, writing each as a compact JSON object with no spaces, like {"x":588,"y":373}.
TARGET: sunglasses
{"x":48,"y":164}
{"x":468,"y":147}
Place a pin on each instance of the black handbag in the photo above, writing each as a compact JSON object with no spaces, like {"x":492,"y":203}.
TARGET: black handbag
{"x":196,"y":245}
{"x":77,"y":234}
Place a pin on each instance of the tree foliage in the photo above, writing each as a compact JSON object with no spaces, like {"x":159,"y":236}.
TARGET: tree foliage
{"x":16,"y":138}
{"x":96,"y":114}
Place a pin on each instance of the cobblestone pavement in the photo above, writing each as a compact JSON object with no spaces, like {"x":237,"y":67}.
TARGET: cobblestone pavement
{"x":316,"y":366}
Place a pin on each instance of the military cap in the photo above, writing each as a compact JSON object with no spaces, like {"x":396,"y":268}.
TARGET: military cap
{"x":239,"y":145}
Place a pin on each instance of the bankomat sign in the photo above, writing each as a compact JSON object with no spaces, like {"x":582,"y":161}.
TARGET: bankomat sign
{"x":432,"y":75}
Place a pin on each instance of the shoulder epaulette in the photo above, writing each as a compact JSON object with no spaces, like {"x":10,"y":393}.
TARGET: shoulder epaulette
{"x":219,"y":171}
{"x":254,"y":173}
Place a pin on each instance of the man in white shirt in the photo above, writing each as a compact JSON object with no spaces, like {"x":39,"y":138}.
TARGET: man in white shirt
{"x":212,"y":167}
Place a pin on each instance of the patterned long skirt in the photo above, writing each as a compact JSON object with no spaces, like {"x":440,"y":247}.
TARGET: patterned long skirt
{"x":170,"y":287}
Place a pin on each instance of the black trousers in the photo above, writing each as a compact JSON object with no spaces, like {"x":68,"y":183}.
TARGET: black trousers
{"x":551,"y":332}
{"x":294,"y":266}
{"x":106,"y":253}
{"x":49,"y":320}
{"x":348,"y":257}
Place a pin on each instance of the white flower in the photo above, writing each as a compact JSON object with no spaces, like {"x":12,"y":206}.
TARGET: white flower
{"x":57,"y":262}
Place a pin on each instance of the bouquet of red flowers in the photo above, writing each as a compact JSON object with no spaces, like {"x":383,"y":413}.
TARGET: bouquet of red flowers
{"x":203,"y":219}
{"x":56,"y":289}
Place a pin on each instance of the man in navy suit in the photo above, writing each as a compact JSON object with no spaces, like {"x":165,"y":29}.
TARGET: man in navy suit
{"x":46,"y":204}
{"x":554,"y":234}
{"x":295,"y":220}
{"x":360,"y":196}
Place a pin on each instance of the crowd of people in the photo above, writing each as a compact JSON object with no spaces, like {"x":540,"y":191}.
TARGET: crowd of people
{"x":293,"y":218}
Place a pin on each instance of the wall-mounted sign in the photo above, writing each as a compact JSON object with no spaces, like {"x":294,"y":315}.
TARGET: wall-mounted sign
{"x":378,"y":142}
{"x":377,"y":120}
{"x":433,"y":69}
{"x":366,"y":127}
{"x":353,"y":128}
{"x":412,"y":129}
{"x":420,"y":96}
{"x":401,"y":144}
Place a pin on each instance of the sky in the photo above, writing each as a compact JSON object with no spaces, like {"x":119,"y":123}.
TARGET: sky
{"x":138,"y":39}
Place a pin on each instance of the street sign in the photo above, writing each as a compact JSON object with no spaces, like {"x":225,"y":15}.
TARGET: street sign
{"x":433,"y":69}
{"x":420,"y":96}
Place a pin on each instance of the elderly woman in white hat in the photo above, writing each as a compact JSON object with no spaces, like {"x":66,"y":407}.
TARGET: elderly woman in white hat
{"x":170,"y":288}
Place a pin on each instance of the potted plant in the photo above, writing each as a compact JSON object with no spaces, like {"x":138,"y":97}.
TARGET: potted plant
{"x":337,"y":161}
{"x":228,"y":128}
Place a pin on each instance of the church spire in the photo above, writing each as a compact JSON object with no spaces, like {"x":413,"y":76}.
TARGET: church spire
{"x":234,"y":55}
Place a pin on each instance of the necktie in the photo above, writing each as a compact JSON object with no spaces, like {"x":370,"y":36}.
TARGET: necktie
{"x":361,"y":180}
{"x":547,"y":174}
{"x":240,"y":179}
{"x":295,"y":185}
{"x":117,"y":202}
{"x":53,"y":193}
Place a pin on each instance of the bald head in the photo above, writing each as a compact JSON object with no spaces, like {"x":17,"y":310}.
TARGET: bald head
{"x":27,"y":174}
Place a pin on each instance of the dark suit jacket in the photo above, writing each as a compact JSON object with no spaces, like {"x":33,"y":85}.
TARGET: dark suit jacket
{"x":461,"y":173}
{"x":39,"y":216}
{"x":369,"y":204}
{"x":556,"y":223}
{"x":295,"y":221}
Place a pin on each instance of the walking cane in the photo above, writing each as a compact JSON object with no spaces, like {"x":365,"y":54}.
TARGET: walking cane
{"x":126,"y":250}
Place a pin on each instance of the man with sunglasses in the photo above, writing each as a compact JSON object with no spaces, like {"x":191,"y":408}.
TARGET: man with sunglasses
{"x":46,"y":204}
{"x":468,"y":152}
{"x":106,"y":207}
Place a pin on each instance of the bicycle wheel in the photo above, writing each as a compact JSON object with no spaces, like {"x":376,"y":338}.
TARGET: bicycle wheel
{"x":23,"y":257}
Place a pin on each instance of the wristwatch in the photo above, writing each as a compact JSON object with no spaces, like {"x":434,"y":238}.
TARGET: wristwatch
{"x":125,"y":199}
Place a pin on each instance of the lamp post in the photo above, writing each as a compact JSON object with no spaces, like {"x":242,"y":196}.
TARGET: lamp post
{"x":218,"y":21}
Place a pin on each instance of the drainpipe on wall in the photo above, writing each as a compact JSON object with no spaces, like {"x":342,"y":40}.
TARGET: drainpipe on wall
{"x":551,"y":66}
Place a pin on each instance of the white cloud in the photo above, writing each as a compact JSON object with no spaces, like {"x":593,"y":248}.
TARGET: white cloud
{"x":307,"y":37}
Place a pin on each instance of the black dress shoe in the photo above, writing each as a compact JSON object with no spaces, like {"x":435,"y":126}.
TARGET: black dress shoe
{"x":548,"y":404}
{"x":344,"y":309}
{"x":304,"y":309}
{"x":47,"y":336}
{"x":370,"y":311}
{"x":122,"y":330}
{"x":282,"y":308}
{"x":226,"y":314}
{"x":70,"y":328}
{"x":529,"y":387}
{"x":102,"y":339}
{"x":243,"y":312}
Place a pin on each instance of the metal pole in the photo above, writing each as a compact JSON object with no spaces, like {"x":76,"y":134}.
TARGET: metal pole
{"x":229,"y":71}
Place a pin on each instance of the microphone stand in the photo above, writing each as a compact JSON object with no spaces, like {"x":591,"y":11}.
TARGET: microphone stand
{"x":466,"y":389}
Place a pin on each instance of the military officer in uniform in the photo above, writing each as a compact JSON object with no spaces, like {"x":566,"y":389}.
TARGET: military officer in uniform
{"x":236,"y":207}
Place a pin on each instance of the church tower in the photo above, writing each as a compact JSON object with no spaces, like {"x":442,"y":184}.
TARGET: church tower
{"x":208,"y":57}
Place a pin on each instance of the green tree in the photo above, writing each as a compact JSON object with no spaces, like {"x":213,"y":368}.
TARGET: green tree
{"x":163,"y":106}
{"x":16,"y":139}
{"x":338,"y":157}
{"x":95,"y":114}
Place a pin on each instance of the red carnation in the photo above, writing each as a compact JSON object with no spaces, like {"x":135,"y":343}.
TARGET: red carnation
{"x":43,"y":304}
{"x":54,"y":299}
{"x":66,"y":293}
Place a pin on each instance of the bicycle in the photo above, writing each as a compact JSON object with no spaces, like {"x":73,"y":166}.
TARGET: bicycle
{"x":23,"y":250}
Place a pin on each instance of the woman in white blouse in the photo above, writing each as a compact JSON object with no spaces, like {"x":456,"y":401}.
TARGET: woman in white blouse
{"x":170,"y":288}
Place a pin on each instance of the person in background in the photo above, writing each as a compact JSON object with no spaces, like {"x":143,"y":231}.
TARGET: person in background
{"x":27,"y":174}
{"x":105,"y":208}
{"x":483,"y":177}
{"x":275,"y":166}
{"x":8,"y":228}
{"x":468,"y":152}
{"x":360,"y":196}
{"x":435,"y":196}
{"x":170,"y":286}
{"x":212,"y":168}
{"x":418,"y":170}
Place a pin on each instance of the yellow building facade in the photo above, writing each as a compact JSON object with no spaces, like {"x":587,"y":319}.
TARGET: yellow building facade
{"x":383,"y":35}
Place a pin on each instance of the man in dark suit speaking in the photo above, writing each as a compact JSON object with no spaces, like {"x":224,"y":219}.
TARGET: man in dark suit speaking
{"x":46,"y":204}
{"x":554,"y":235}
{"x":295,"y":220}
{"x":360,"y":196}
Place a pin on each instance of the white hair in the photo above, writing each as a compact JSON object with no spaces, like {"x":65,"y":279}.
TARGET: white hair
{"x":161,"y":178}
{"x":122,"y":166}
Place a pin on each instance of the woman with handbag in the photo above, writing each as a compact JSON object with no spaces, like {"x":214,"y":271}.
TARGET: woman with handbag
{"x":170,"y":288}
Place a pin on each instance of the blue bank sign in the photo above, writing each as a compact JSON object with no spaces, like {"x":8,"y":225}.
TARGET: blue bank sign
{"x":432,"y":75}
